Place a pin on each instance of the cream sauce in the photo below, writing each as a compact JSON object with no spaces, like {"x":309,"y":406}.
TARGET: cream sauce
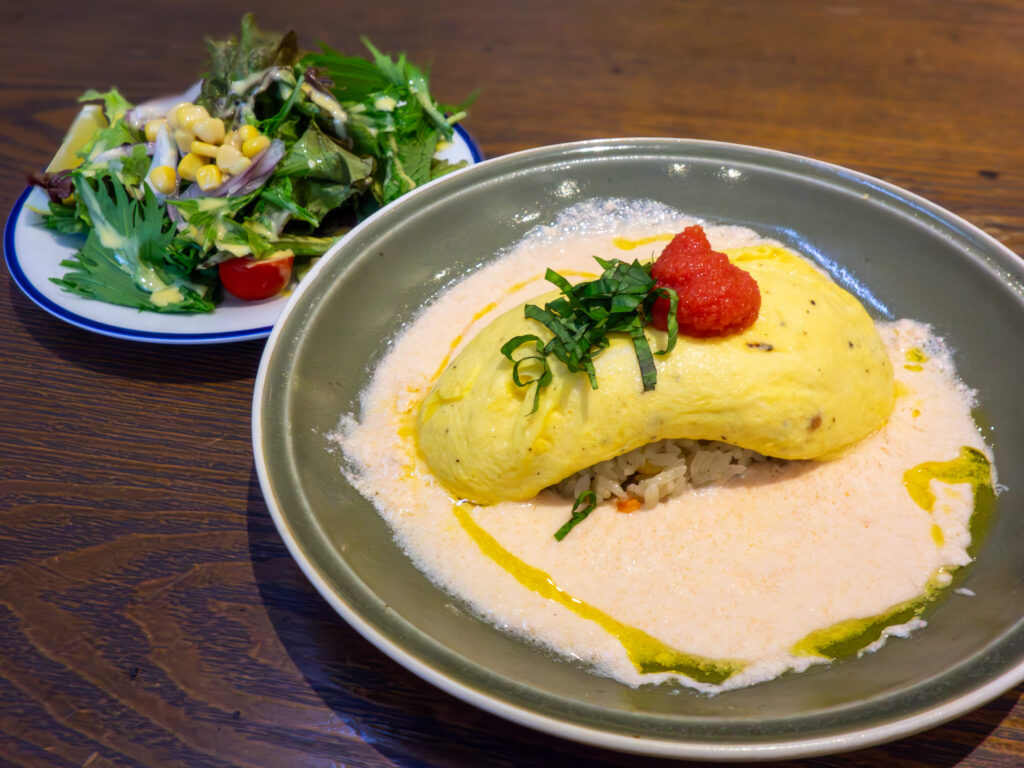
{"x":734,"y":584}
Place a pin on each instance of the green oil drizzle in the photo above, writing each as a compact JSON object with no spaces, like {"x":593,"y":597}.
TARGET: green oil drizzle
{"x":971,"y":466}
{"x":848,"y":637}
{"x":915,"y":357}
{"x":648,"y":654}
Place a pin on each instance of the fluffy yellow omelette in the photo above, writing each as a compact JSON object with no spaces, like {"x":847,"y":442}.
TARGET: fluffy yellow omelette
{"x":808,"y":378}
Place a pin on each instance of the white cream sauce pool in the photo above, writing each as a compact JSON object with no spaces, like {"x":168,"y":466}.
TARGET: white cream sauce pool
{"x":742,"y":571}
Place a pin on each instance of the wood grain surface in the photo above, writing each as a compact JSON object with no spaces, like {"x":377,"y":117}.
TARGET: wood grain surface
{"x":149,"y":613}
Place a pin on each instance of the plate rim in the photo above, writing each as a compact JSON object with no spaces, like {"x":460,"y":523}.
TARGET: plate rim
{"x":128,"y":333}
{"x":857,"y":738}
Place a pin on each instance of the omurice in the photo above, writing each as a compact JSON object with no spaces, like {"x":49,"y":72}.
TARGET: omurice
{"x":705,"y":563}
{"x":809,"y":377}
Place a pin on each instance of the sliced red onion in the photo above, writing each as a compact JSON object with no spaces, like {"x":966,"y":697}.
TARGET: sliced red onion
{"x":117,"y":153}
{"x":318,"y":79}
{"x":58,"y":185}
{"x":139,"y":115}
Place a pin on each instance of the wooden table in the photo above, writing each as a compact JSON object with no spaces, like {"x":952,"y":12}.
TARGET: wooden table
{"x":149,"y":613}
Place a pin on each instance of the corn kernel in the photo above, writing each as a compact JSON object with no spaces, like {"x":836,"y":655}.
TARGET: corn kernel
{"x":208,"y":177}
{"x":233,"y":139}
{"x":241,"y":165}
{"x":183,"y":139}
{"x":191,"y":114}
{"x":153,"y":128}
{"x":247,"y":132}
{"x":210,"y":130}
{"x":202,"y":148}
{"x":252,"y":147}
{"x":173,"y":115}
{"x":226,"y":156}
{"x":189,"y":165}
{"x":163,"y":179}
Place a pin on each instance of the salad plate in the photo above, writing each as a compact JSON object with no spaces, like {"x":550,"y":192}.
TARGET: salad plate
{"x":34,"y":254}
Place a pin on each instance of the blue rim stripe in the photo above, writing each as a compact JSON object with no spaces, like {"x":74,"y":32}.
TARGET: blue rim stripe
{"x":474,"y":150}
{"x":21,"y":280}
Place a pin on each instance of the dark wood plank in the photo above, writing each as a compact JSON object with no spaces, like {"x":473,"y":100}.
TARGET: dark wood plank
{"x":149,"y":613}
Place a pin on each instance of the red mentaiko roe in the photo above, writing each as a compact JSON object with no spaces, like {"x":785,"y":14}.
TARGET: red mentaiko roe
{"x":716,"y":298}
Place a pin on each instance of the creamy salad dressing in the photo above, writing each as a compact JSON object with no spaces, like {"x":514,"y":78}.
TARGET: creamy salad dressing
{"x":740,"y":576}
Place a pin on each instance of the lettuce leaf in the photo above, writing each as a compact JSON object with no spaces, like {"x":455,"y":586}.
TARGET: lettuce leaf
{"x":315,"y":176}
{"x":114,"y":104}
{"x":315,"y":155}
{"x":233,"y":60}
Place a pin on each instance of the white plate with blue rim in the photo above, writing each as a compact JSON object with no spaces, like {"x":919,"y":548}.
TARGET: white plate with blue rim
{"x":34,"y":255}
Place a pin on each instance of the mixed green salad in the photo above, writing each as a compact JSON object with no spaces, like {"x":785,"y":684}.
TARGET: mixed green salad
{"x":244,"y":180}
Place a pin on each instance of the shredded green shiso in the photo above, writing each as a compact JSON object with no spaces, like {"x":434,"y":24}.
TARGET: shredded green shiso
{"x":585,"y":503}
{"x":581,"y":319}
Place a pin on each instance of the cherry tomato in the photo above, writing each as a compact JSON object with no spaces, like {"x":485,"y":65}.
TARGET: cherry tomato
{"x":250,"y":279}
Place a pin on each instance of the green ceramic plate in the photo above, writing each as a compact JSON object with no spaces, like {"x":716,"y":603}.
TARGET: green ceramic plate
{"x":905,"y":256}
